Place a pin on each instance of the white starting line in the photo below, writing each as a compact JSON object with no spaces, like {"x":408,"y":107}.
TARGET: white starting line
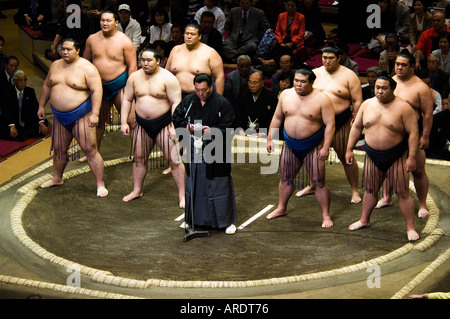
{"x":267,"y":208}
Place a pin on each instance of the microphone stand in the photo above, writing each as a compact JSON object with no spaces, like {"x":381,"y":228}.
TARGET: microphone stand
{"x":191,"y":233}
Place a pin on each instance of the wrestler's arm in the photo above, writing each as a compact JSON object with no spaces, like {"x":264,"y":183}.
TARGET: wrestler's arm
{"x":276,"y":122}
{"x":94,"y":83}
{"x":412,"y":129}
{"x":426,"y":108}
{"x":87,"y":53}
{"x":355,"y":92}
{"x":328,"y":118}
{"x":129,"y":52}
{"x":355,"y":133}
{"x":127,"y":101}
{"x":173,"y":90}
{"x":217,"y":72}
{"x":45,"y":94}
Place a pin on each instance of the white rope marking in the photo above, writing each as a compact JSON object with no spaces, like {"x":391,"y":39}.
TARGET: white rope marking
{"x":255,"y":216}
{"x":179,"y":218}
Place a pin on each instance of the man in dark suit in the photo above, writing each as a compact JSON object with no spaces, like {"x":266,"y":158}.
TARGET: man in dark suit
{"x":255,"y":107}
{"x":210,"y":36}
{"x":19,"y":106}
{"x":33,"y":12}
{"x":439,"y":79}
{"x":6,"y":72}
{"x":245,"y":27}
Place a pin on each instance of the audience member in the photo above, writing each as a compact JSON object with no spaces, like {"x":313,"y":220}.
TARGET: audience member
{"x":139,"y":12}
{"x":420,"y":20}
{"x":237,"y":81}
{"x":290,"y":33}
{"x":387,"y":25}
{"x":255,"y":107}
{"x":176,"y":33}
{"x":3,"y":56}
{"x":427,"y":40}
{"x":245,"y":27}
{"x":33,"y":13}
{"x":314,"y":31}
{"x":286,"y":67}
{"x":19,"y":107}
{"x":368,"y":91}
{"x":161,"y":47}
{"x":424,"y":75}
{"x":128,"y":25}
{"x":64,"y":31}
{"x":402,"y":18}
{"x":439,"y":80}
{"x":272,"y":9}
{"x":443,"y":52}
{"x":219,"y":16}
{"x":285,"y":81}
{"x":10,"y":66}
{"x":159,"y":26}
{"x":211,"y":36}
{"x":345,"y":60}
{"x":440,"y":133}
{"x":391,"y":38}
{"x":175,"y":12}
{"x":388,"y":64}
{"x":192,"y":6}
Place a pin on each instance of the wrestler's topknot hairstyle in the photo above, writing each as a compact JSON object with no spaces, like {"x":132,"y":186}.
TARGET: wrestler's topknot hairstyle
{"x":386,"y":77}
{"x":76,"y":43}
{"x":331,"y":48}
{"x":195,"y":25}
{"x":407,"y":55}
{"x":309,"y":73}
{"x":152,"y":50}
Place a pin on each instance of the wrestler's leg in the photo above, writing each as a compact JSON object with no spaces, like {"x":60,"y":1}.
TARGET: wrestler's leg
{"x":316,"y":170}
{"x":373,"y":178}
{"x":386,"y":200}
{"x":61,"y":142}
{"x":405,"y":201}
{"x":86,"y":138}
{"x":103,"y":118}
{"x":339,"y":144}
{"x":285,"y":186}
{"x":421,"y":183}
{"x":143,"y":146}
{"x":177,"y":166}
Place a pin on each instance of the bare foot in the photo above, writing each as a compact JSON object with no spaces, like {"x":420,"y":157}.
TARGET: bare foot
{"x":167,"y":171}
{"x":308,"y":190}
{"x":423,"y":213}
{"x":132,"y":196}
{"x":327,"y":222}
{"x":358,"y":225}
{"x":83,"y":159}
{"x":102,"y":191}
{"x":356,"y":199}
{"x":51,"y":183}
{"x":412,"y":235}
{"x":381,"y":204}
{"x":276,"y":213}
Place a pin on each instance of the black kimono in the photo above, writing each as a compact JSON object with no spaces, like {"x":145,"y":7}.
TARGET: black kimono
{"x":213,"y":190}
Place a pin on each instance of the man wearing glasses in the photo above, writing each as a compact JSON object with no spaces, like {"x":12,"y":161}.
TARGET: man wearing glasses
{"x":19,"y":108}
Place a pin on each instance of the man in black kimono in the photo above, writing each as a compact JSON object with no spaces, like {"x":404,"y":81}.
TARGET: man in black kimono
{"x":208,"y":117}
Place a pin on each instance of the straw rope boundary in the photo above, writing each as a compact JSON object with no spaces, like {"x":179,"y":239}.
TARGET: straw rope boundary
{"x":106,"y":277}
